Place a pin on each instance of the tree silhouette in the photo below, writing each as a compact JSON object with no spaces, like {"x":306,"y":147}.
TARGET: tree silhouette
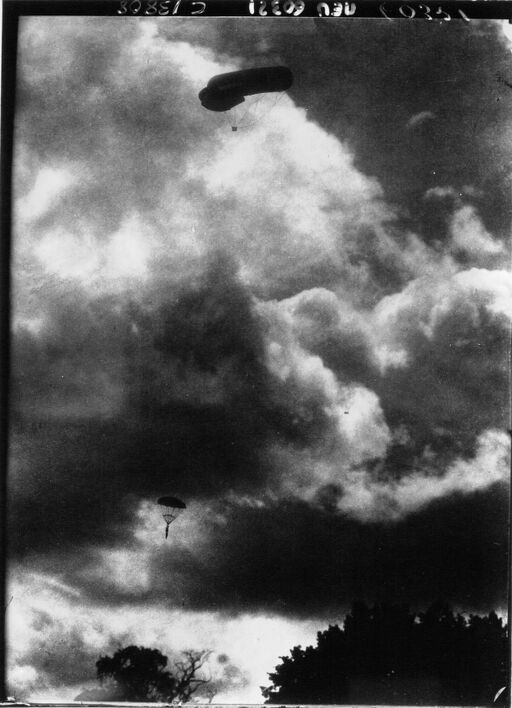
{"x":140,"y":674}
{"x":388,"y":655}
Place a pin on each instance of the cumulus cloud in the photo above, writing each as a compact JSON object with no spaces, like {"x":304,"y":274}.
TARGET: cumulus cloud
{"x":452,"y":336}
{"x":425,"y":303}
{"x":420,"y":118}
{"x":452,"y":193}
{"x":507,"y":34}
{"x":375,"y":500}
{"x":470,"y":236}
{"x":468,"y":241}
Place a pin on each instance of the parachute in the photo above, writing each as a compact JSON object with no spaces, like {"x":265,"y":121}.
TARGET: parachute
{"x":172,"y":508}
{"x":225,"y":91}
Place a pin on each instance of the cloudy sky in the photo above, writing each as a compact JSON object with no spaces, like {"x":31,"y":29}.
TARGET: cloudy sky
{"x":299,"y":328}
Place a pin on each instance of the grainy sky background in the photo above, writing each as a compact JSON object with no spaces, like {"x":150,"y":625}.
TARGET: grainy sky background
{"x":300,"y":328}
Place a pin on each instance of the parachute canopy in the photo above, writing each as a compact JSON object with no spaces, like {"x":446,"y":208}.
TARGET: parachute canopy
{"x":171,"y":509}
{"x":225,"y":91}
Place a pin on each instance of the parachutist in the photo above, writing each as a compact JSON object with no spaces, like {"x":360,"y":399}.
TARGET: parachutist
{"x":173,"y":507}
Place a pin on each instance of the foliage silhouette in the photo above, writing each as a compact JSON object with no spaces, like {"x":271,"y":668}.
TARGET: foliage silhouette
{"x":140,"y":674}
{"x":388,"y":655}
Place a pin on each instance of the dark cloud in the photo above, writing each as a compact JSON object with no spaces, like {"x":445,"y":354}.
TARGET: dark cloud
{"x":114,"y":402}
{"x":291,"y":559}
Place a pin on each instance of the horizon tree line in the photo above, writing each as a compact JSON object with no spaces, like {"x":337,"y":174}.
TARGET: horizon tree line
{"x":383,"y":654}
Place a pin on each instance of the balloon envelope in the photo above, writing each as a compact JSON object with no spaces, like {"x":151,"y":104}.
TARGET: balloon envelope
{"x":225,"y":91}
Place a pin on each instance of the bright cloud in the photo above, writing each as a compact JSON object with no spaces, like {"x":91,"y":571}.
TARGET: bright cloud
{"x":45,"y":622}
{"x":420,"y":118}
{"x":469,"y":234}
{"x":372,"y":500}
